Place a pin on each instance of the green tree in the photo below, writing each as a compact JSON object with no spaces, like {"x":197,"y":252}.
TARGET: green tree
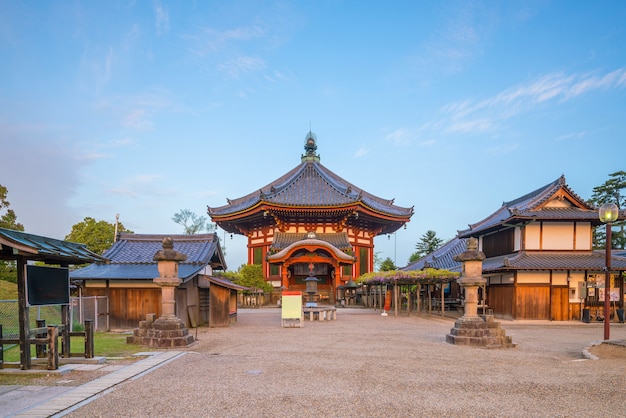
{"x":611,"y":191}
{"x":8,"y":220}
{"x":388,"y":265}
{"x":428,"y":243}
{"x":98,"y":236}
{"x":192,"y":223}
{"x":251,"y":275}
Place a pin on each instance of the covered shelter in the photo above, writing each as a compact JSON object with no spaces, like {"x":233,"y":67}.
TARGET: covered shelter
{"x":24,"y":248}
{"x":407,"y":283}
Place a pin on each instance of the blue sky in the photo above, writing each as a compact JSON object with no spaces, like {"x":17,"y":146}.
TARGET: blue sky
{"x":144,"y":108}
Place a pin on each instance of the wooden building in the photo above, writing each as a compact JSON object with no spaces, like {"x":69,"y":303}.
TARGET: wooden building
{"x":540,"y":262}
{"x":310,"y":220}
{"x":127,"y":280}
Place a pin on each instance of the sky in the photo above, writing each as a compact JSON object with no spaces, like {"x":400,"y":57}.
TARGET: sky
{"x":145,"y":108}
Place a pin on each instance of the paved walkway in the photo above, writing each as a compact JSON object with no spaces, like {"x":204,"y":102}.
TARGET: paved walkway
{"x":47,"y":401}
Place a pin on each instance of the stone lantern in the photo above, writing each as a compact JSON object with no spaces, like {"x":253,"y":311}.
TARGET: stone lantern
{"x":168,"y":330}
{"x":471,"y":329}
{"x":311,"y":289}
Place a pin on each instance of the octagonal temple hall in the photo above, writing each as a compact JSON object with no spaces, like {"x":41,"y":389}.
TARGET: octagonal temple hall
{"x":311,"y":221}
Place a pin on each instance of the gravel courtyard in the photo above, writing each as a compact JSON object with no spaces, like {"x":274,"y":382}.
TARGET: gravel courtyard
{"x":365,"y":365}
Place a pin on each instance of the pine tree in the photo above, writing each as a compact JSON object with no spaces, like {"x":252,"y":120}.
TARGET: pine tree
{"x":611,"y":192}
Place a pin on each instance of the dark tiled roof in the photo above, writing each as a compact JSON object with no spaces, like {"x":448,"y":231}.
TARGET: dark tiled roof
{"x":283,"y":239}
{"x":560,"y":260}
{"x":442,"y":258}
{"x":132,"y":257}
{"x":36,"y":247}
{"x":311,"y":185}
{"x":140,"y":249}
{"x":529,"y":207}
{"x":130,"y":272}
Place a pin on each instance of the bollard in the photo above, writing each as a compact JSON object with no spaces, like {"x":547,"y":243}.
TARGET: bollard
{"x":53,"y":354}
{"x":89,"y":346}
{"x":1,"y":350}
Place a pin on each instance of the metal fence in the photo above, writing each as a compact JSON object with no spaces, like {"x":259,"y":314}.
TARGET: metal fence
{"x":93,"y":308}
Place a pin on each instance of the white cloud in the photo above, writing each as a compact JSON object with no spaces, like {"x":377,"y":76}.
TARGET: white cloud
{"x":572,"y":136}
{"x":361,"y":152}
{"x":399,"y":137}
{"x":162,"y":18}
{"x":469,"y":116}
{"x":241,"y":64}
{"x":137,"y":119}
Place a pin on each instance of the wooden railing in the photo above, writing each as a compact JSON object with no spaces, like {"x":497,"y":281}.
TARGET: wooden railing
{"x":45,"y":338}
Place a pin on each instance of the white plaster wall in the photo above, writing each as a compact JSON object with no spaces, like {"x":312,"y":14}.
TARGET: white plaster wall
{"x":557,"y":236}
{"x":533,"y":277}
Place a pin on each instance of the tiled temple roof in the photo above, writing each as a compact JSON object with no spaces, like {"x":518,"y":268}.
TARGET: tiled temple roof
{"x":283,"y":239}
{"x":311,"y":185}
{"x":530,"y":206}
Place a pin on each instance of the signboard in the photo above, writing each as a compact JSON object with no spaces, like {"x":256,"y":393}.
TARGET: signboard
{"x":47,"y":285}
{"x":291,"y":307}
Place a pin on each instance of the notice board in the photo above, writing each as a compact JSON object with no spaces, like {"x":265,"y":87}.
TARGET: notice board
{"x":291,"y":306}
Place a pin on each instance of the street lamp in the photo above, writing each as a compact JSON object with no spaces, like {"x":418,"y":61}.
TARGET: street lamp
{"x":608,"y":214}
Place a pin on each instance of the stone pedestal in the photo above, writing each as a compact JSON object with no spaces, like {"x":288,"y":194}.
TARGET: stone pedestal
{"x":161,"y":333}
{"x":168,"y":331}
{"x":471,"y":329}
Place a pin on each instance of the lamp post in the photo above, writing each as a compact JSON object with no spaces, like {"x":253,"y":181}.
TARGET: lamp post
{"x":608,"y":214}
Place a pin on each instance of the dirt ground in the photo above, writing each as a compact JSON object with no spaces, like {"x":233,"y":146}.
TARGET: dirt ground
{"x":608,"y":351}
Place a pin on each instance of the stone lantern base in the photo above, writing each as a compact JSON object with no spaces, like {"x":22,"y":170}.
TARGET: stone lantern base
{"x":165,"y":332}
{"x":479,"y":331}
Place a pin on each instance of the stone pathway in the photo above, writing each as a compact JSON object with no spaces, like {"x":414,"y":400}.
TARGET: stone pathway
{"x":50,"y":401}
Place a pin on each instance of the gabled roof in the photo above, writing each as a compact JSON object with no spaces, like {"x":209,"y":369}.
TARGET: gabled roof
{"x":39,"y":248}
{"x":532,"y":206}
{"x":442,"y":258}
{"x":131,"y":257}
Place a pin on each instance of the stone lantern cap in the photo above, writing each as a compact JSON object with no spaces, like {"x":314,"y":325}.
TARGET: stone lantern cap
{"x":472,"y":253}
{"x":168,"y":253}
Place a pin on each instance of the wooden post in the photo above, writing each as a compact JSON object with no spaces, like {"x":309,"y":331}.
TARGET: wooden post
{"x":23,"y":314}
{"x":1,"y":350}
{"x":40,"y":349}
{"x":443,"y":303}
{"x":89,"y":346}
{"x":53,"y":354}
{"x":65,"y":317}
{"x":395,"y":294}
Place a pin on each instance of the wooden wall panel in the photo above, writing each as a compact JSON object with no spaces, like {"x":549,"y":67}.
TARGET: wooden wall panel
{"x":129,"y":306}
{"x":219,"y":313}
{"x":532,"y":302}
{"x":559,"y":303}
{"x":500,"y":299}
